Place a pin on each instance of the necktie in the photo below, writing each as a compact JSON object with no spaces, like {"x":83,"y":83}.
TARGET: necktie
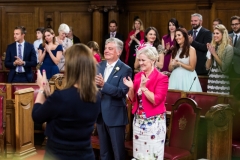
{"x":19,"y":56}
{"x":107,"y":72}
{"x":194,"y":34}
{"x":112,"y":34}
{"x":235,"y":41}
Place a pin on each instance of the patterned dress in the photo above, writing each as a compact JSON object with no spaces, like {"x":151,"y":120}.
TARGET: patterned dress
{"x":217,"y":81}
{"x":148,"y":134}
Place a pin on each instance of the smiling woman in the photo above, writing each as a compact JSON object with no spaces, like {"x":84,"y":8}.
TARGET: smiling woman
{"x":182,"y":64}
{"x":219,"y":55}
{"x":49,"y":53}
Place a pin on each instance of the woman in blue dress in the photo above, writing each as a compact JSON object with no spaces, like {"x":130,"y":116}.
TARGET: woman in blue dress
{"x":49,"y":53}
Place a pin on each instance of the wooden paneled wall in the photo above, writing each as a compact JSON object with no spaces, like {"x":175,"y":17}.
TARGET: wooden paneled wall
{"x":33,"y":14}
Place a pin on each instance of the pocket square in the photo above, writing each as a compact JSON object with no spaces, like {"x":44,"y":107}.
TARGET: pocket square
{"x":115,"y":76}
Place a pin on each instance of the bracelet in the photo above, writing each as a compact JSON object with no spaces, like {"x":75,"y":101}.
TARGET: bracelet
{"x":42,"y":91}
{"x":145,"y":89}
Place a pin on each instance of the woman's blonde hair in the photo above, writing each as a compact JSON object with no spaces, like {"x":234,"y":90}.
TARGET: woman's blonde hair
{"x":141,"y":24}
{"x":81,"y":71}
{"x":224,"y":42}
{"x":148,"y":50}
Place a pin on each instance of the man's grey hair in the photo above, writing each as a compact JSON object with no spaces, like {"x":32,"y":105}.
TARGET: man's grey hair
{"x":117,"y":42}
{"x":197,"y":15}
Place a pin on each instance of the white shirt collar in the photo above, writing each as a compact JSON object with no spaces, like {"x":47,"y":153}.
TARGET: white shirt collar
{"x":197,"y":29}
{"x":113,"y":64}
{"x":234,"y":34}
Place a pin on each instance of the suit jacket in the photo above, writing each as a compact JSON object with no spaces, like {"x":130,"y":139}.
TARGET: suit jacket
{"x":113,"y":102}
{"x":236,"y":55}
{"x":29,"y":56}
{"x":203,"y":37}
{"x":76,"y":39}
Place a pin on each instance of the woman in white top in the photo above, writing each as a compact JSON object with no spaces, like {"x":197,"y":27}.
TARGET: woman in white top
{"x":61,"y":39}
{"x":182,"y":64}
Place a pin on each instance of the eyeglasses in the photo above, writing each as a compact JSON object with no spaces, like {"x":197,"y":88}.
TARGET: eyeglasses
{"x":236,"y":24}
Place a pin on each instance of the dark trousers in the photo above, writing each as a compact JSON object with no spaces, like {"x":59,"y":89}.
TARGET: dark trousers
{"x":111,"y":141}
{"x":20,"y":78}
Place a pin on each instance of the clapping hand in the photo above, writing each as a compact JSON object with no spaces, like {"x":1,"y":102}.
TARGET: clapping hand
{"x":43,"y":82}
{"x":211,"y":49}
{"x":128,"y":82}
{"x":144,"y":80}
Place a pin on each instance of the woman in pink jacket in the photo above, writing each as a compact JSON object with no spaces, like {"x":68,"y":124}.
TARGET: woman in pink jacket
{"x":148,"y":94}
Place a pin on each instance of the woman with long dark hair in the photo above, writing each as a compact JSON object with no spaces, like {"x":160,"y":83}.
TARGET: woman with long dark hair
{"x":168,"y":42}
{"x":182,"y":64}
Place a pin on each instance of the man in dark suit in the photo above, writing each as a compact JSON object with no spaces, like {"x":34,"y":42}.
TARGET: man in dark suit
{"x":113,"y":117}
{"x":71,"y":36}
{"x":112,"y":32}
{"x":235,"y":36}
{"x":199,"y":37}
{"x":20,"y":58}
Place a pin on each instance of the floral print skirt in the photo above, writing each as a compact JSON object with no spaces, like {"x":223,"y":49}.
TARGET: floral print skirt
{"x":149,"y":137}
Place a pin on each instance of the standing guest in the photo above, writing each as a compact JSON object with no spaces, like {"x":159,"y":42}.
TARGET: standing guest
{"x":168,"y":42}
{"x":113,"y":117}
{"x":152,"y":38}
{"x":182,"y":64}
{"x":198,"y":38}
{"x":39,"y":35}
{"x":148,"y":94}
{"x":219,"y":60}
{"x":95,"y":50}
{"x":50,"y":53}
{"x":71,"y":36}
{"x":70,"y":113}
{"x":61,"y":39}
{"x":134,"y":38}
{"x":235,"y":42}
{"x":113,"y":26}
{"x":20,"y":58}
{"x":216,"y":22}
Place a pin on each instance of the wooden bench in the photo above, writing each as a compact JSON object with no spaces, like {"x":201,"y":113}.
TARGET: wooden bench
{"x":2,"y":124}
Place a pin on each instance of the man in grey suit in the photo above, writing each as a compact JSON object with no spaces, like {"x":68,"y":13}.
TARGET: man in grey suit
{"x":199,"y":37}
{"x":113,"y":117}
{"x":235,"y":36}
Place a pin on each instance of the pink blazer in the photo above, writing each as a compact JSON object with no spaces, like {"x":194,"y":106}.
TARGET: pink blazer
{"x":158,"y":84}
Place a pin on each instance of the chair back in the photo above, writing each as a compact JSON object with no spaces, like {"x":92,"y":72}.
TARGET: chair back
{"x":172,"y":96}
{"x":183,"y":126}
{"x":2,"y":112}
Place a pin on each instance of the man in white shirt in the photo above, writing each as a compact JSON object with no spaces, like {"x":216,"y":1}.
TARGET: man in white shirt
{"x":39,"y":35}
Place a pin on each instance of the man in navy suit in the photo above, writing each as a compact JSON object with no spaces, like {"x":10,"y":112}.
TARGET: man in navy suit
{"x":113,"y":117}
{"x":20,"y":58}
{"x":199,"y":37}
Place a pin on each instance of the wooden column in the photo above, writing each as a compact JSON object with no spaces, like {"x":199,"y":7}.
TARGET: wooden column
{"x":219,"y":138}
{"x":24,"y":130}
{"x":113,"y":15}
{"x":97,"y":30}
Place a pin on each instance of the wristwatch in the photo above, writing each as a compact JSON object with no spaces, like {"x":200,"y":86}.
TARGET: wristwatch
{"x":42,"y":91}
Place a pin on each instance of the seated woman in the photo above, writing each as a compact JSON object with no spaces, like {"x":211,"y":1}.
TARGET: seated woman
{"x":182,"y":64}
{"x":148,"y":93}
{"x":95,"y":50}
{"x":49,"y":53}
{"x":151,"y":37}
{"x":70,"y":113}
{"x":219,"y":58}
